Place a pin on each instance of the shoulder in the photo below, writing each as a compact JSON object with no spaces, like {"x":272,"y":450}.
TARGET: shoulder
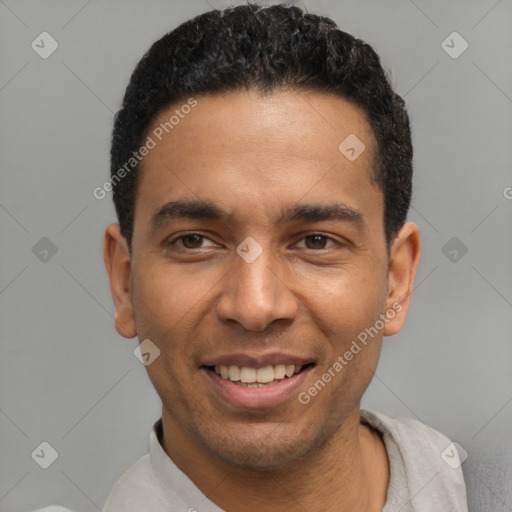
{"x":408,"y":432}
{"x":425,"y":465}
{"x":137,"y":489}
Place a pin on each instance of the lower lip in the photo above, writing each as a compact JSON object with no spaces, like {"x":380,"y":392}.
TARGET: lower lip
{"x":257,"y":398}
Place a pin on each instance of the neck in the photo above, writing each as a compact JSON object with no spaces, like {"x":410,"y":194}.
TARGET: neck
{"x":350,"y":472}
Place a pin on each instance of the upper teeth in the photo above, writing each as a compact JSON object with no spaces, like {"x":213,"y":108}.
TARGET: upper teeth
{"x":263,"y":375}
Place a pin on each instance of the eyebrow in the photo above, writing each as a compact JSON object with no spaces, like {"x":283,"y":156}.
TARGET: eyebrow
{"x":321,"y":212}
{"x":196,"y":209}
{"x":188,"y":209}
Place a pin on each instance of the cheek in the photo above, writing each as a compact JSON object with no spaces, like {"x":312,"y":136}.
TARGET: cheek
{"x":347,"y":300}
{"x":348,"y":311}
{"x":166,"y":313}
{"x":163,"y":297}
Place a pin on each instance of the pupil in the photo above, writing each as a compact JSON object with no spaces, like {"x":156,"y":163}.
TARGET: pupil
{"x":318,"y":239}
{"x":188,"y":238}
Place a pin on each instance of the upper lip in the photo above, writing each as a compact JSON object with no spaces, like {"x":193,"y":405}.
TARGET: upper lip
{"x":255,"y":360}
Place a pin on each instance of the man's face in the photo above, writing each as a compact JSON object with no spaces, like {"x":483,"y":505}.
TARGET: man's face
{"x":203,"y":297}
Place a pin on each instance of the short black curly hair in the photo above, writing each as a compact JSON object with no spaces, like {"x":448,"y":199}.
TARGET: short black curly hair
{"x":265,"y":49}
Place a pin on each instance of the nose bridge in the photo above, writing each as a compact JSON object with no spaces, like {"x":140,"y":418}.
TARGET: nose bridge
{"x":252,"y":273}
{"x":254,"y":295}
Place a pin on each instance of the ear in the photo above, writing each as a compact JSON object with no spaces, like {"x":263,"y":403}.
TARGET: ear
{"x":403,"y":263}
{"x":118,"y":265}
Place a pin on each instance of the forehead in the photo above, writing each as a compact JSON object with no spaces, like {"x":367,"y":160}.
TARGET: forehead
{"x":262,"y":151}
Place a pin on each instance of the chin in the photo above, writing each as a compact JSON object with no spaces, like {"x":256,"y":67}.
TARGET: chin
{"x":260,"y":456}
{"x":262,"y":448}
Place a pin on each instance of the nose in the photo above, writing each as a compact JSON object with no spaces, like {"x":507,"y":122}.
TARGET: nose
{"x":256,"y":294}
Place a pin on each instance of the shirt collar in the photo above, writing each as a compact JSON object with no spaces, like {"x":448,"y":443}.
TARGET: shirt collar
{"x":172,"y":481}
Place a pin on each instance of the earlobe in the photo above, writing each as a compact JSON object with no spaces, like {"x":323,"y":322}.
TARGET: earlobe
{"x":118,"y":266}
{"x":403,"y":263}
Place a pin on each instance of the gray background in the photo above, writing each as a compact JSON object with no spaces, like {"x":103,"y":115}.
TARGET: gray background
{"x":68,"y":379}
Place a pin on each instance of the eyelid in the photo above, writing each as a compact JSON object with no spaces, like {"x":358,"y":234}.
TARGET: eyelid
{"x":172,"y":241}
{"x":324,"y":235}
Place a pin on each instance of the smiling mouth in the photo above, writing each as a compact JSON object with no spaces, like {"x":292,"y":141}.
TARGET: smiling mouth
{"x":258,"y":377}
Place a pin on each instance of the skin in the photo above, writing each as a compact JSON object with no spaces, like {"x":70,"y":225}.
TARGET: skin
{"x":311,"y":297}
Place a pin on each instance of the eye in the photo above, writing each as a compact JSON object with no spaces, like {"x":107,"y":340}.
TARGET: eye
{"x":189,"y":241}
{"x":317,"y":241}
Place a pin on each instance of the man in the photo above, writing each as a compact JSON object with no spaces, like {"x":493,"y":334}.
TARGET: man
{"x":261,"y":171}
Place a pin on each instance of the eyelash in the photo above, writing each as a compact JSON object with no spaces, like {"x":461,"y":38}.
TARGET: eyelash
{"x":173,"y":242}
